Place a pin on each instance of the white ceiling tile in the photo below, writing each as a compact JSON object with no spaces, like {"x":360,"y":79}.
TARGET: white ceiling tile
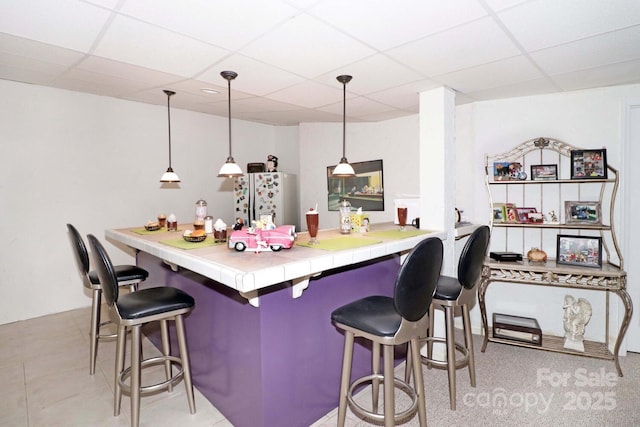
{"x":145,"y":45}
{"x":66,"y":23}
{"x":539,"y":86}
{"x":254,"y":77}
{"x":544,"y":23}
{"x":305,"y":46}
{"x":499,"y":73}
{"x":257,"y":104}
{"x":621,"y":73}
{"x":230,"y":24}
{"x":405,"y":97}
{"x":309,"y":94}
{"x":465,"y":46}
{"x":592,"y":52}
{"x":42,"y":52}
{"x":149,"y":77}
{"x":372,"y":74}
{"x":386,"y":24}
{"x":497,"y":5}
{"x":357,"y":107}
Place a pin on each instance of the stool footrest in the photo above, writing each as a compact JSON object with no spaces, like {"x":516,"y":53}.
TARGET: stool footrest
{"x":398,"y":383}
{"x":152,"y":361}
{"x":442,"y":364}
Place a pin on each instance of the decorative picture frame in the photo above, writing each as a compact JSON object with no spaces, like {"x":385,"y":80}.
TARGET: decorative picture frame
{"x":589,"y":164}
{"x":544,"y":172}
{"x":581,"y":212}
{"x":523,"y":214}
{"x":499,"y":213}
{"x":364,"y":190}
{"x":511,"y":214}
{"x":580,"y":251}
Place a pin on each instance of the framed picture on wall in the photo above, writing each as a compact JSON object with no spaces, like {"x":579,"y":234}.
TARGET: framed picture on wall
{"x":589,"y":164}
{"x":364,"y":190}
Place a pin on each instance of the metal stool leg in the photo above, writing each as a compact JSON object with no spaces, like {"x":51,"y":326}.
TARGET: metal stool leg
{"x":135,"y":375}
{"x":94,"y":329}
{"x":375,"y":382}
{"x":166,"y":351}
{"x":451,"y":356}
{"x":430,"y":335}
{"x":468,"y":340}
{"x":120,"y":349}
{"x":418,"y":380}
{"x":346,"y":376}
{"x":186,"y":365}
{"x":389,"y":397}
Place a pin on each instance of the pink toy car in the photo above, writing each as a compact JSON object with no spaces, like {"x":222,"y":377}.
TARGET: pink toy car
{"x":258,"y":240}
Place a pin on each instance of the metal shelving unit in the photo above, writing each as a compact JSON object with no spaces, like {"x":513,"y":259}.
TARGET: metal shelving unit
{"x":610,"y":278}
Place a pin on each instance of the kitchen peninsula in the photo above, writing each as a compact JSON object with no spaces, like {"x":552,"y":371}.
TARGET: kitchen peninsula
{"x":261,"y":342}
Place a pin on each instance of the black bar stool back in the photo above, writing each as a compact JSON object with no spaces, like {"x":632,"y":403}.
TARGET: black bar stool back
{"x":458,"y":293}
{"x":132,"y":311}
{"x":126,"y":275}
{"x":388,"y":322}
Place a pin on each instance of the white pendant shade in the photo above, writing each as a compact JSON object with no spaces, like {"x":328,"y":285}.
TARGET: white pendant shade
{"x":169,"y":176}
{"x":230,"y":169}
{"x":343,"y":169}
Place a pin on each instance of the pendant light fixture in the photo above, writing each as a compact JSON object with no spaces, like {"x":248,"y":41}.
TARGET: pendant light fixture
{"x":344,"y":169}
{"x":230,"y":169}
{"x":169,"y":175}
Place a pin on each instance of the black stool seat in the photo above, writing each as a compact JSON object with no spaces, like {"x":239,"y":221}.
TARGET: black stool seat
{"x":375,"y":315}
{"x":449,"y":288}
{"x":124,"y":273}
{"x":153,"y":301}
{"x":388,"y":322}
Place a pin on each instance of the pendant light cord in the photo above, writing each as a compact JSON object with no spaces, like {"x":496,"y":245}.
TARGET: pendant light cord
{"x":169,"y":121}
{"x":344,"y":118}
{"x":229,"y":105}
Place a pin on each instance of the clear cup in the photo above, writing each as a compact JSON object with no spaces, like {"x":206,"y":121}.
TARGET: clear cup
{"x":162,"y":220}
{"x":312,"y":226}
{"x":402,"y":217}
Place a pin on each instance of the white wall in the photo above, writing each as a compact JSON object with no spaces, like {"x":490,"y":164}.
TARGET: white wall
{"x":394,"y":141}
{"x":96,"y":162}
{"x":590,"y":118}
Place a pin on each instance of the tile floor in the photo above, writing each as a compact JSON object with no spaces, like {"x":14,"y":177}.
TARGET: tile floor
{"x":44,"y":370}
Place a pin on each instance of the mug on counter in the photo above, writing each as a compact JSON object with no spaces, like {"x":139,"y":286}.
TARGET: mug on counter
{"x":416,"y":222}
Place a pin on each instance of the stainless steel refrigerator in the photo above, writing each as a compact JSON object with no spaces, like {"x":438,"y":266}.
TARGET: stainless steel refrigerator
{"x":267,"y":193}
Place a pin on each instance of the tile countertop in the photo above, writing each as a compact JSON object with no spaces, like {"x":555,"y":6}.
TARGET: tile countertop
{"x":249,"y":272}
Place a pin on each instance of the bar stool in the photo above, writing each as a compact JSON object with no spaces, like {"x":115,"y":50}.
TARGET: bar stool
{"x":388,"y":322}
{"x":132,"y":311}
{"x":126,"y":275}
{"x":457,"y":293}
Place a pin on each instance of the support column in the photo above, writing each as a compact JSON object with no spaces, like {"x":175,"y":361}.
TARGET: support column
{"x":437,"y":180}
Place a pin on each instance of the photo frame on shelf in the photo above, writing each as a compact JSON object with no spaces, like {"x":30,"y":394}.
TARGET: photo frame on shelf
{"x":523,"y":214}
{"x":499,"y":213}
{"x":511,"y":214}
{"x":589,"y":164}
{"x":580,"y":251}
{"x":501,"y":171}
{"x":580,"y":212}
{"x":544,"y":172}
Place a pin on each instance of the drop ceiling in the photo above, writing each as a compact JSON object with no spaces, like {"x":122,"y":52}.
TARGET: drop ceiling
{"x":288,"y":53}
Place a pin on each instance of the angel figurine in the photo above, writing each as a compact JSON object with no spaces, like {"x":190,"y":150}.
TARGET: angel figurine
{"x":577,"y":314}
